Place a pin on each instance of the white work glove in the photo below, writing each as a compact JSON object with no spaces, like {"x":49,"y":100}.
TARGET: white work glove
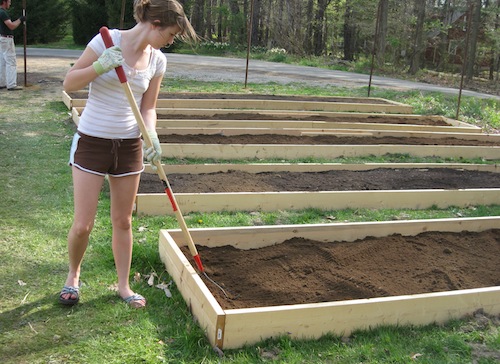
{"x":153,"y":154}
{"x":109,"y":60}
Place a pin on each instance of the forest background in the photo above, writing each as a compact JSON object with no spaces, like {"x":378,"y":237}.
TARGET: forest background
{"x":393,"y":36}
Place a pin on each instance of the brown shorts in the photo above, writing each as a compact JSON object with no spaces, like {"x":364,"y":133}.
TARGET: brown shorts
{"x":116,"y":157}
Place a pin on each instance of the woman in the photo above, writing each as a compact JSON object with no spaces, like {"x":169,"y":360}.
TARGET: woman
{"x":108,"y":138}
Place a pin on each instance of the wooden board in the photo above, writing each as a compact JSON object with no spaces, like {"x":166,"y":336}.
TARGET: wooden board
{"x":314,"y":167}
{"x":313,"y":124}
{"x":293,"y":152}
{"x":454,"y":126}
{"x":158,"y":204}
{"x":239,"y":101}
{"x":338,"y":132}
{"x":234,"y":328}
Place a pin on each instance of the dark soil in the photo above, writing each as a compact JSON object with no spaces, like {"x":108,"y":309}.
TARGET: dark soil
{"x":303,"y":271}
{"x":338,"y":180}
{"x":379,"y":119}
{"x":317,"y":140}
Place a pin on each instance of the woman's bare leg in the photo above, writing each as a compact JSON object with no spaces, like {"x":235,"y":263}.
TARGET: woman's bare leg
{"x":123,"y":192}
{"x":86,"y":190}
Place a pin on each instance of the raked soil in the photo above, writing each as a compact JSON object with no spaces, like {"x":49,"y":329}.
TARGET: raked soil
{"x":303,"y":271}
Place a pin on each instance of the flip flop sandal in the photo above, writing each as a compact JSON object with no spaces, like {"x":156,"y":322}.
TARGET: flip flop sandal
{"x":72,"y":291}
{"x":135,"y":301}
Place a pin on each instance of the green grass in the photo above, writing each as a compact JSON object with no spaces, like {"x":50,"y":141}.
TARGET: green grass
{"x":36,"y":213}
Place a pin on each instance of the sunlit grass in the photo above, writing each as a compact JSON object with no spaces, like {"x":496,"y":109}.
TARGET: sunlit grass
{"x":36,"y":213}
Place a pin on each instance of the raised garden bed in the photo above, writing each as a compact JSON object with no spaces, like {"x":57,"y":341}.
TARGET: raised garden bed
{"x":368,"y":274}
{"x":256,"y":101}
{"x":261,"y":187}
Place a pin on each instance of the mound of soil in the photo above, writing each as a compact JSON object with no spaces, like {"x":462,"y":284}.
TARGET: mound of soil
{"x":342,"y":180}
{"x":304,"y":271}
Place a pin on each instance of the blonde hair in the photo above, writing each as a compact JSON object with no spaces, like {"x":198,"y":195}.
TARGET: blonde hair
{"x":165,"y":13}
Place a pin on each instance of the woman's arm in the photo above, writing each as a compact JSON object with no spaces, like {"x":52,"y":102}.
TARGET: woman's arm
{"x":148,"y":105}
{"x":82,"y":72}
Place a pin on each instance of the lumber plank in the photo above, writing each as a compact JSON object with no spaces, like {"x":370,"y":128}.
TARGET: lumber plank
{"x":308,"y":124}
{"x":247,"y":327}
{"x":313,"y":167}
{"x":292,"y":151}
{"x":158,"y":204}
{"x":202,"y":304}
{"x":229,"y":131}
{"x":238,"y":104}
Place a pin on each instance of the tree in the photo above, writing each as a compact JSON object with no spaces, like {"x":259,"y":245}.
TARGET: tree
{"x":418,"y":43}
{"x":47,"y":20}
{"x":381,"y":31}
{"x":495,"y":46}
{"x":349,"y":32}
{"x":319,"y":23}
{"x":88,"y":18}
{"x":114,"y":11}
{"x":198,"y":17}
{"x":475,"y":13}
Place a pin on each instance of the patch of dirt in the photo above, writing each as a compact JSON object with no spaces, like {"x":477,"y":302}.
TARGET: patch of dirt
{"x":338,"y":180}
{"x":317,"y":140}
{"x":43,"y":71}
{"x":303,"y":271}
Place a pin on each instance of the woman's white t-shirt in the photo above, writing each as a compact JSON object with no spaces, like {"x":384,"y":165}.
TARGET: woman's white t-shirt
{"x":107,"y":113}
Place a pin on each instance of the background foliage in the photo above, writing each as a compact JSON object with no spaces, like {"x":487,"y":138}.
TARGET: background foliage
{"x":405,"y":35}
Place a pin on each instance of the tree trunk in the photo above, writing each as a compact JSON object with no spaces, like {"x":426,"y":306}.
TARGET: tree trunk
{"x":349,"y":33}
{"x":208,"y":23}
{"x":256,"y":28}
{"x":319,"y":20}
{"x":308,"y":45}
{"x":220,"y":20}
{"x":495,"y":53}
{"x":381,"y":35}
{"x":473,"y":38}
{"x":235,"y":28}
{"x":418,"y":45}
{"x":443,"y":36}
{"x":197,"y":19}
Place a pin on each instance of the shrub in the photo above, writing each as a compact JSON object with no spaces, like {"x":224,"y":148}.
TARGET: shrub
{"x":88,"y":17}
{"x":47,"y":20}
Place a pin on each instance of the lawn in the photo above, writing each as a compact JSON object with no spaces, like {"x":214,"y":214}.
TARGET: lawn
{"x":36,"y":213}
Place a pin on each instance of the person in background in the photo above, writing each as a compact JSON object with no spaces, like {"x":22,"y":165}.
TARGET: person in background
{"x":108,"y":141}
{"x":8,"y":62}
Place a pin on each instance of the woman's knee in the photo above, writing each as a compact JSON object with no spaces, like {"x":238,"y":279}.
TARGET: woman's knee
{"x":122,"y":222}
{"x":82,"y":230}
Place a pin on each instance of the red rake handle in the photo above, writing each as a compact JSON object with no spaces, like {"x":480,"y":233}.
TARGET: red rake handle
{"x":108,"y":42}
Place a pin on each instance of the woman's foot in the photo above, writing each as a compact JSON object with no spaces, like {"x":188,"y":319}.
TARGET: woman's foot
{"x":135,"y":301}
{"x":70,"y":295}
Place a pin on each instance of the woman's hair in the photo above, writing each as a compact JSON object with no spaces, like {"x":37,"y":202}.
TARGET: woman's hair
{"x":164,"y":13}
